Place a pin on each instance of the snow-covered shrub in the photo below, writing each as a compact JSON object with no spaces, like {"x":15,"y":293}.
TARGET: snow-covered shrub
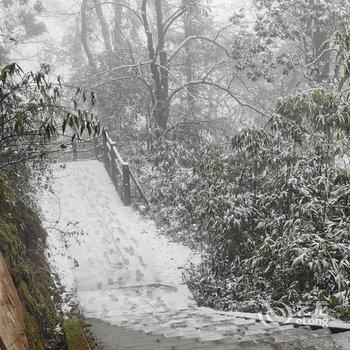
{"x":276,"y":211}
{"x":166,"y":176}
{"x":271,"y":214}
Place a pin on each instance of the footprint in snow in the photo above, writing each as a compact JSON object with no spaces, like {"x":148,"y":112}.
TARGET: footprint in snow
{"x":170,"y":289}
{"x":139,"y":275}
{"x":113,"y":298}
{"x":106,"y":240}
{"x":111,"y":252}
{"x":121,"y":282}
{"x":142,"y":263}
{"x":113,"y":221}
{"x":131,"y":251}
{"x":149,"y":294}
{"x":120,"y":230}
{"x":119,"y":265}
{"x":135,"y":241}
{"x":160,"y":303}
{"x":134,"y":306}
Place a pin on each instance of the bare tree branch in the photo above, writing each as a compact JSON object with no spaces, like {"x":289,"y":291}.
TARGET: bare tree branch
{"x":220,"y":87}
{"x":195,"y":37}
{"x":123,"y":5}
{"x":169,"y":21}
{"x":221,"y":30}
{"x":137,"y":64}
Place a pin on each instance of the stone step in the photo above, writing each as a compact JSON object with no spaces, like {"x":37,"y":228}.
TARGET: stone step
{"x":137,"y":338}
{"x":122,"y":332}
{"x":228,"y":343}
{"x":216,"y":346}
{"x":342,"y":340}
{"x":305,"y":339}
{"x":182,"y":333}
{"x":167,"y":344}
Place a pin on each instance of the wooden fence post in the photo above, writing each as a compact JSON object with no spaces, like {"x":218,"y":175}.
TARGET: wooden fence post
{"x":75,"y":151}
{"x":96,"y":144}
{"x":126,"y":185}
{"x":113,"y":165}
{"x":113,"y":168}
{"x":105,"y":153}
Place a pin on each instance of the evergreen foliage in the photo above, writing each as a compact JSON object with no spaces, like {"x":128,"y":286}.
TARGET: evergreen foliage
{"x":33,"y":111}
{"x":275,"y":211}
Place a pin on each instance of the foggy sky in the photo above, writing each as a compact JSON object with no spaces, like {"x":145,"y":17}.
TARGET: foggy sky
{"x":59,"y":13}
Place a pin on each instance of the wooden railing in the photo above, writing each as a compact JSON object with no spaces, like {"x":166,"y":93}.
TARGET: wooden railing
{"x":119,"y":171}
{"x":82,"y":149}
{"x":79,"y":148}
{"x":117,"y":168}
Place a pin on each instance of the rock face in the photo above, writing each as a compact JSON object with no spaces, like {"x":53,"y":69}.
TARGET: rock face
{"x":12,"y":326}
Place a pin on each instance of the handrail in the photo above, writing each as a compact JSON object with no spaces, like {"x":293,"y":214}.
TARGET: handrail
{"x":95,"y":148}
{"x":118,"y":169}
{"x":139,"y":187}
{"x":115,"y":164}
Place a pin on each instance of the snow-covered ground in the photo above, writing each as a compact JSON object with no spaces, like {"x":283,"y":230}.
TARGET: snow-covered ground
{"x":122,"y":270}
{"x":115,"y":261}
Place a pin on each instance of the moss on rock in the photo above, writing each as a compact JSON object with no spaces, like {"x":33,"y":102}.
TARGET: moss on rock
{"x":23,"y":244}
{"x":33,"y":333}
{"x":74,"y":331}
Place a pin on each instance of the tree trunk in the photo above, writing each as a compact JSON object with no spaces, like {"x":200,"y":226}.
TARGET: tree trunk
{"x":162,"y":90}
{"x":318,"y":38}
{"x":84,"y":34}
{"x":159,"y":72}
{"x":189,"y":31}
{"x":103,"y":24}
{"x":318,"y":41}
{"x":117,"y":29}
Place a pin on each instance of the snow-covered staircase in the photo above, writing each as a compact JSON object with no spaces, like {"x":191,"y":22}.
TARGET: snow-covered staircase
{"x":201,"y":328}
{"x":127,"y":277}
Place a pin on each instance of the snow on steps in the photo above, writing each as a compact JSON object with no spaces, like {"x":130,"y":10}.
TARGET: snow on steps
{"x":124,"y":265}
{"x":128,"y":278}
{"x":248,"y":337}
